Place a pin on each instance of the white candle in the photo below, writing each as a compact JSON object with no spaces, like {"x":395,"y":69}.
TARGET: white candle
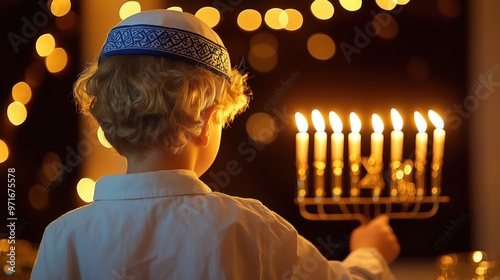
{"x":301,"y":140}
{"x":397,"y":136}
{"x":439,"y":136}
{"x":354,"y":138}
{"x":421,"y":138}
{"x":377,"y":138}
{"x":337,"y":137}
{"x":319,"y":137}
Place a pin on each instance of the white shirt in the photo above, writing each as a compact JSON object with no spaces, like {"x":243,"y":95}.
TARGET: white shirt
{"x":170,"y":225}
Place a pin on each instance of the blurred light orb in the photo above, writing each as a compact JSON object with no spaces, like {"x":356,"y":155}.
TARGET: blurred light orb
{"x":322,"y":9}
{"x":17,"y":113}
{"x":38,"y":197}
{"x":249,"y":20}
{"x":60,"y":8}
{"x":321,"y":46}
{"x":403,"y":2}
{"x":263,"y":56}
{"x":129,"y":8}
{"x":56,"y":61}
{"x":102,"y":138}
{"x":450,"y":8}
{"x":276,"y":18}
{"x":387,"y":5}
{"x":385,"y":25}
{"x":51,"y":166}
{"x":21,"y":92}
{"x":175,"y":8}
{"x":85,"y":189}
{"x":34,"y":74}
{"x":261,"y":128}
{"x":45,"y":44}
{"x":4,"y":151}
{"x":351,"y":5}
{"x":209,"y":15}
{"x":295,"y":20}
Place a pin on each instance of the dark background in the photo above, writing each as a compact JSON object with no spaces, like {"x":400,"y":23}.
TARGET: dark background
{"x":374,"y":81}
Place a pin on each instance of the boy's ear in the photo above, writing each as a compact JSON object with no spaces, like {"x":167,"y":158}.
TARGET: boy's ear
{"x":202,"y":139}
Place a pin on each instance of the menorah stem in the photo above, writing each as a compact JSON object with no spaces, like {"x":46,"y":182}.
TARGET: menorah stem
{"x":420,"y":176}
{"x":319,"y":179}
{"x":337,"y":166}
{"x":355,"y":169}
{"x":302,"y":185}
{"x":436,"y":166}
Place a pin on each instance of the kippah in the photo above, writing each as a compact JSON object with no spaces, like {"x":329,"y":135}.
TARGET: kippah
{"x":173,"y":34}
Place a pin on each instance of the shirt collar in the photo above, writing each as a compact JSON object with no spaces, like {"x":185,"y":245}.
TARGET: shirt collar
{"x":149,"y":184}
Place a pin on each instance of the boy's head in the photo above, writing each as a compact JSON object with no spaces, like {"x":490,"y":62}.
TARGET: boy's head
{"x":160,"y":76}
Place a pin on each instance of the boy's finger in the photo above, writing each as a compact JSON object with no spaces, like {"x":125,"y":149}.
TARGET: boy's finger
{"x":381,"y":219}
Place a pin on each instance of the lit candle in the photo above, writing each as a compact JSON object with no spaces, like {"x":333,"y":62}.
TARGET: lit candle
{"x":439,"y":136}
{"x":377,"y":138}
{"x":337,"y":137}
{"x":319,"y":137}
{"x":301,"y":140}
{"x":421,"y":139}
{"x":397,"y":136}
{"x":354,"y":137}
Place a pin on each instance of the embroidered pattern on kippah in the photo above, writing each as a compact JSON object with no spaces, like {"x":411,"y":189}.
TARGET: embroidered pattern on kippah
{"x":149,"y":39}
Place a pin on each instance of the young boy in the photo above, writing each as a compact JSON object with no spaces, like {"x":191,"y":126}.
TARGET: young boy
{"x":162,"y":90}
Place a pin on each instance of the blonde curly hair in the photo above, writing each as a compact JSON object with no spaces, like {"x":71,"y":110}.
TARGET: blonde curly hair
{"x":144,"y":101}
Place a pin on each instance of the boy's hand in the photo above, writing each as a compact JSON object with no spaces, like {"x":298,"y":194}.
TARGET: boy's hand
{"x":377,"y":234}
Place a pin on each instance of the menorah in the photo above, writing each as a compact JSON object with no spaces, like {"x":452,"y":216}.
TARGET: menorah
{"x":366,"y":195}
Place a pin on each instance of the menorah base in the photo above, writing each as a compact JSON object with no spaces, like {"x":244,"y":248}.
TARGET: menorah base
{"x":364,"y":209}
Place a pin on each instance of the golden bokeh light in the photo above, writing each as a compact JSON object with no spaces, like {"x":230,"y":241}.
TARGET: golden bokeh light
{"x":45,"y":44}
{"x":322,"y":9}
{"x":38,"y":197}
{"x":21,"y":92}
{"x":403,"y":2}
{"x":175,"y":8}
{"x":321,"y":46}
{"x":387,"y":5}
{"x":129,"y":8}
{"x":4,"y":151}
{"x":17,"y":113}
{"x":102,"y":138}
{"x":263,"y":55}
{"x":260,"y":64}
{"x":295,"y":20}
{"x":450,"y":8}
{"x":262,"y":128}
{"x":34,"y":74}
{"x":385,"y":26}
{"x":249,"y":20}
{"x":351,"y":5}
{"x":51,"y":166}
{"x":60,"y":8}
{"x":209,"y":15}
{"x":276,"y":18}
{"x":85,"y":189}
{"x":56,"y":60}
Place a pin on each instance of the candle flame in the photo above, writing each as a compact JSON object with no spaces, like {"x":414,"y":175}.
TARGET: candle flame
{"x":301,"y":122}
{"x":378,"y":124}
{"x":436,"y":120}
{"x":397,"y":120}
{"x":355,"y":122}
{"x":318,"y":121}
{"x":335,"y":122}
{"x":420,"y":122}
